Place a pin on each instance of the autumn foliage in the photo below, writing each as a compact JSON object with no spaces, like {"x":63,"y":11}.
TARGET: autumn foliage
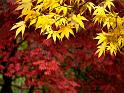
{"x":50,"y":63}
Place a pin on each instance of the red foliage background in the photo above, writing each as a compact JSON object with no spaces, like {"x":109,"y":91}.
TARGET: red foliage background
{"x":69,"y":66}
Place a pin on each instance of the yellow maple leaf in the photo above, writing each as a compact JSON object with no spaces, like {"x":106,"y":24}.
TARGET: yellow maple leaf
{"x":101,"y":49}
{"x":20,"y":26}
{"x":25,"y":5}
{"x":108,"y":3}
{"x":64,"y":31}
{"x":106,"y":22}
{"x":113,"y":47}
{"x":99,"y":10}
{"x":44,"y":24}
{"x":48,"y":3}
{"x":64,"y":9}
{"x":33,"y":21}
{"x":101,"y":37}
{"x":78,"y":19}
{"x":90,"y":6}
{"x":31,"y":15}
{"x":61,"y":21}
{"x":100,"y":14}
{"x":102,"y":43}
{"x":121,"y":41}
{"x":54,"y":35}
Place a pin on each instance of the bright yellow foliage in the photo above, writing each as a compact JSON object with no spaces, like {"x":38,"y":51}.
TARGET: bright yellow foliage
{"x":112,"y":41}
{"x":55,"y":18}
{"x":58,"y":19}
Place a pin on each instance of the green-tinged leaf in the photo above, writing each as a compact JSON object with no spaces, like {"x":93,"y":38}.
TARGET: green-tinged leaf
{"x":23,"y":46}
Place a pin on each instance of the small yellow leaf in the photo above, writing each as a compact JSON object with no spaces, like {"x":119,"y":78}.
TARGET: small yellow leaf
{"x":102,"y":43}
{"x":61,"y":1}
{"x":38,"y":7}
{"x":78,"y":19}
{"x":90,"y":6}
{"x":106,"y":22}
{"x":64,"y":9}
{"x":109,"y":3}
{"x":53,"y":34}
{"x":64,"y":31}
{"x":101,"y":49}
{"x":113,"y":47}
{"x":101,"y":37}
{"x":20,"y":28}
{"x":33,"y":21}
{"x":25,"y":5}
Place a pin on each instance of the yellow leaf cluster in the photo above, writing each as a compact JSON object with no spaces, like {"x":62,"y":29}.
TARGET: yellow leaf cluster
{"x":113,"y":40}
{"x":60,"y":18}
{"x":56,"y":18}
